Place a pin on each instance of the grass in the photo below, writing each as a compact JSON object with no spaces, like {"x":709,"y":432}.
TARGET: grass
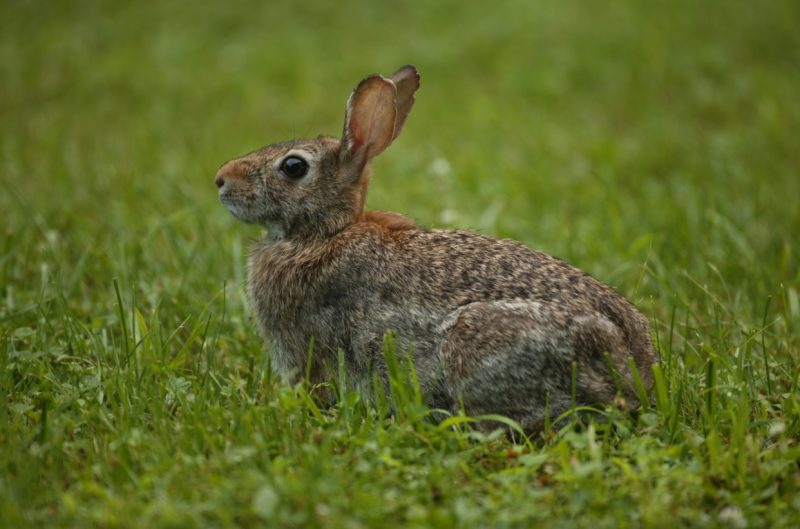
{"x":653,"y":145}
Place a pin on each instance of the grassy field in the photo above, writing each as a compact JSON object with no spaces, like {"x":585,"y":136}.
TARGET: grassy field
{"x":653,"y":144}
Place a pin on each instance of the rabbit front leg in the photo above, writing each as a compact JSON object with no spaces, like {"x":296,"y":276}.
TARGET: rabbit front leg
{"x":515,"y":358}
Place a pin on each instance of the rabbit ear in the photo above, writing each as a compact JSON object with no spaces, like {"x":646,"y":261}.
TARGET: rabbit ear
{"x":369,"y":120}
{"x":406,"y":80}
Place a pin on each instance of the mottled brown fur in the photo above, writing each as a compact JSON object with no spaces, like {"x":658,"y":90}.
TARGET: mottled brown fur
{"x":490,"y":323}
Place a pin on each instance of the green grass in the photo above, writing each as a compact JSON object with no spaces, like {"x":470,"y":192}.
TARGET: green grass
{"x":652,"y":144}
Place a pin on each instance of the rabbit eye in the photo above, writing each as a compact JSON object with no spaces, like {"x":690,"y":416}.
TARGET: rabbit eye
{"x":294,"y":167}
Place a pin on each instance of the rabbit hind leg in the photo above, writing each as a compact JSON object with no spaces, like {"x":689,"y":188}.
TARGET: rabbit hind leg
{"x":515,"y":358}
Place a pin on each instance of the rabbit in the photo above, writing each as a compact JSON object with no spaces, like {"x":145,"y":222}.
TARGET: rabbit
{"x":493,"y":326}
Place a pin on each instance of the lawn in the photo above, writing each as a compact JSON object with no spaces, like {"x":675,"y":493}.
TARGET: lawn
{"x":653,"y":144}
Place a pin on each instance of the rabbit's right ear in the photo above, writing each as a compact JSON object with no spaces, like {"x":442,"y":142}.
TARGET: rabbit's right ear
{"x":406,"y":80}
{"x":369,"y":121}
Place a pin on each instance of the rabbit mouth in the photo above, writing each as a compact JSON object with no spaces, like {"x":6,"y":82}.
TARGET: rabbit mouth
{"x":238,"y":210}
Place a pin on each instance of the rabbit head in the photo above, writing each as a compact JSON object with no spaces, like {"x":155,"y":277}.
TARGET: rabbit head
{"x":317,"y":187}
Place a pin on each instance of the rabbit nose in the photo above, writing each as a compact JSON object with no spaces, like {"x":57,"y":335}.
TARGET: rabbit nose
{"x":233,"y":170}
{"x":219,"y":180}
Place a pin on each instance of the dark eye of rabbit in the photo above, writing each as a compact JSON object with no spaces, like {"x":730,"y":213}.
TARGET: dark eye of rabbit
{"x":294,"y":167}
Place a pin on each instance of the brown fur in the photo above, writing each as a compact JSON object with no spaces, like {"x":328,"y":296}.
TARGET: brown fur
{"x":389,"y":220}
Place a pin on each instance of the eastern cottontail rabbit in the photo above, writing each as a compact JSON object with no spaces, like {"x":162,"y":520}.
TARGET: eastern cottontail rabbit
{"x":491,"y":323}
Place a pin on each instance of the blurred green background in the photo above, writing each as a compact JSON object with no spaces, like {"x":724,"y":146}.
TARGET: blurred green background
{"x":653,"y":144}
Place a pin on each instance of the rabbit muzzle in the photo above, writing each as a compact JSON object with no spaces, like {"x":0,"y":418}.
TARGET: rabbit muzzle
{"x":230,"y":173}
{"x":236,"y":191}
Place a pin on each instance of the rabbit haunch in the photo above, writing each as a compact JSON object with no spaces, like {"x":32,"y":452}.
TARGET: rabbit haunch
{"x":491,"y":323}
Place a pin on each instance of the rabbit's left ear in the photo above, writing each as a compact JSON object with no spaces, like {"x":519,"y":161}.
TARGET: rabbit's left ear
{"x":369,"y":121}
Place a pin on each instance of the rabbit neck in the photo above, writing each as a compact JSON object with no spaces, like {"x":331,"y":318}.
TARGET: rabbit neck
{"x":322,"y":222}
{"x":309,"y":227}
